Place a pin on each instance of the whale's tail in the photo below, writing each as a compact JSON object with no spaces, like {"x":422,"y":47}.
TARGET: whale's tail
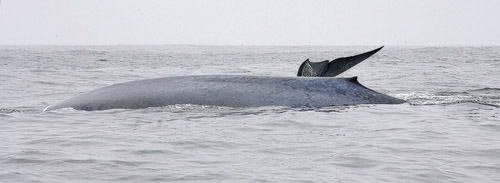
{"x":332,"y":68}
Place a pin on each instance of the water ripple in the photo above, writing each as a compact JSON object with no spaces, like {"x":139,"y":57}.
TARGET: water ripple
{"x":449,"y":131}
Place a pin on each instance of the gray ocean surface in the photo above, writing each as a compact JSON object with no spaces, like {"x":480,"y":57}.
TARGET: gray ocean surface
{"x":449,"y":131}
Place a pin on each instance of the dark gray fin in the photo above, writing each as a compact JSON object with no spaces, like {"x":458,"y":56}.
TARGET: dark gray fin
{"x":312,"y":69}
{"x":354,"y":80}
{"x":340,"y":65}
{"x":301,"y":67}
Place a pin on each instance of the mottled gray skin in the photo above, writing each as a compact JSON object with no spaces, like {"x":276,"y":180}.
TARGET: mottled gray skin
{"x":228,"y":90}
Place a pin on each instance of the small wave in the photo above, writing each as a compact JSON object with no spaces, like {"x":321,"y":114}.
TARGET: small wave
{"x":10,"y":111}
{"x":488,"y":103}
{"x":185,"y":107}
{"x":42,"y":70}
{"x":45,"y":82}
{"x":84,"y":52}
{"x":151,"y":151}
{"x":464,"y":102}
{"x":487,"y":89}
{"x":451,"y":98}
{"x":450,"y":93}
{"x":18,"y":161}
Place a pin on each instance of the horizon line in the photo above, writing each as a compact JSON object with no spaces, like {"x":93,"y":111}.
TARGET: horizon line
{"x":268,"y":45}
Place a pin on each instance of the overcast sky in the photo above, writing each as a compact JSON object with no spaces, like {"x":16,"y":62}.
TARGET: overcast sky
{"x":250,"y":22}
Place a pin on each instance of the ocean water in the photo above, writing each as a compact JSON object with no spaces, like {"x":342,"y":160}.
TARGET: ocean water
{"x":449,"y":131}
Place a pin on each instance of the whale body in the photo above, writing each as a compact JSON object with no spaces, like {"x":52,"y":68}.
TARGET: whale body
{"x":228,"y":90}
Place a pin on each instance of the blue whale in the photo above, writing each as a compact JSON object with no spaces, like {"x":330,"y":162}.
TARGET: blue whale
{"x":228,"y":90}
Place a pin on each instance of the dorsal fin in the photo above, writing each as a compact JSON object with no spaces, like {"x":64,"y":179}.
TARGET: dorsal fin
{"x":340,"y":65}
{"x":313,"y":69}
{"x":353,"y":79}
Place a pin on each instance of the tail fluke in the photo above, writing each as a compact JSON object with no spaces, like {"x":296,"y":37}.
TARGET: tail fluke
{"x":313,"y":69}
{"x":333,"y":68}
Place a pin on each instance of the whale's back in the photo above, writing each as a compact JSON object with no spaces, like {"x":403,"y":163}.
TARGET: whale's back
{"x":228,"y":90}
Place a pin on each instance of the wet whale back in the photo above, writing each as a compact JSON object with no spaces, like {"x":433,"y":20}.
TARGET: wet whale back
{"x":228,"y":90}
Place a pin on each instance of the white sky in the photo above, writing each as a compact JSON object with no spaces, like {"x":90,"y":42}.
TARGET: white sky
{"x":250,"y":22}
